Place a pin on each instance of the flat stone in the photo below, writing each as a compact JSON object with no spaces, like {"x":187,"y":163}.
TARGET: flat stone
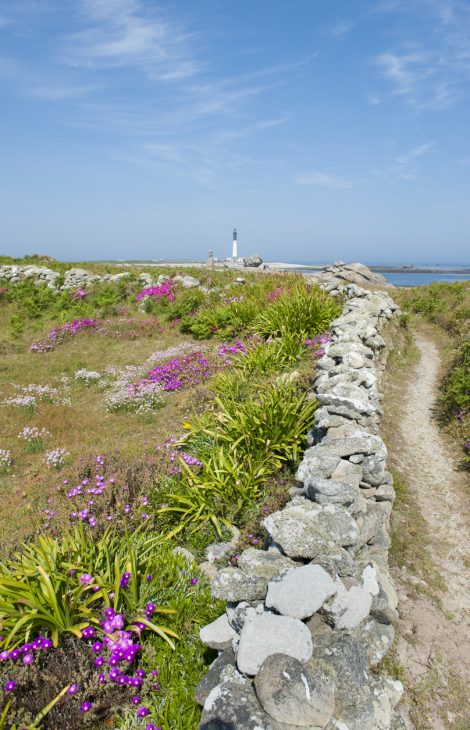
{"x":337,"y":561}
{"x":349,"y":440}
{"x":300,"y":592}
{"x":347,"y":473}
{"x":305,"y":529}
{"x":263,"y":564}
{"x":349,"y":396}
{"x":232,"y":584}
{"x":219,"y":634}
{"x":329,"y":491}
{"x":266,"y":634}
{"x":318,"y":462}
{"x":291,"y":694}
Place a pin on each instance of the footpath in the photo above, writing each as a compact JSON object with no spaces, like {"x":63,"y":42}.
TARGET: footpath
{"x":434,"y":643}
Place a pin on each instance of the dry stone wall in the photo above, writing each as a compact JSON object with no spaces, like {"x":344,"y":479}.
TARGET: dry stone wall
{"x":308,"y":618}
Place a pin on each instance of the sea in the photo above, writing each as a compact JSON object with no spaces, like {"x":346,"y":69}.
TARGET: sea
{"x":414,"y":278}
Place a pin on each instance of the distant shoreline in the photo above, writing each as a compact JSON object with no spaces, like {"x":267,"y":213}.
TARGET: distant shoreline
{"x":279,"y":266}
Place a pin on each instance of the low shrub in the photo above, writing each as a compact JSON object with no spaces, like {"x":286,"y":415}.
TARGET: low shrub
{"x":301,"y":310}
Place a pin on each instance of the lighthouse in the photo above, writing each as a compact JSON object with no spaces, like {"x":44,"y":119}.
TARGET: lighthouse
{"x":234,"y":245}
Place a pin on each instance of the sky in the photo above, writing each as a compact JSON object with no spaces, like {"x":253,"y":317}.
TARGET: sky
{"x":320,"y":129}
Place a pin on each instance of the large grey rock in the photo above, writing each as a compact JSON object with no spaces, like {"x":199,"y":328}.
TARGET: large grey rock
{"x":342,"y":350}
{"x":233,"y":706}
{"x":318,"y":462}
{"x":222,"y":670}
{"x":219,"y":634}
{"x":353,"y":398}
{"x":337,"y":561}
{"x":348,"y":441}
{"x":373,"y":469}
{"x":187,"y":282}
{"x":263,"y":564}
{"x":291,"y":694}
{"x":233,"y":584}
{"x":354,"y":702}
{"x":300,"y":592}
{"x":252,"y":261}
{"x":371,"y":524}
{"x":354,"y":273}
{"x":328,"y":491}
{"x":305,"y":529}
{"x":348,"y":473}
{"x":265,"y":634}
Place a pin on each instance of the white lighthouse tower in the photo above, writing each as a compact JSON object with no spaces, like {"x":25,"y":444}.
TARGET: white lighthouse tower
{"x":234,"y":245}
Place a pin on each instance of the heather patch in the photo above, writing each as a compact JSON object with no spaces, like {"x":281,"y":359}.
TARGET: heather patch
{"x":60,"y":334}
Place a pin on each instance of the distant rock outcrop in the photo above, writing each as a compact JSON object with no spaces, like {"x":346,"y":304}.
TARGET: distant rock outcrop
{"x":360,"y":274}
{"x":252,"y":261}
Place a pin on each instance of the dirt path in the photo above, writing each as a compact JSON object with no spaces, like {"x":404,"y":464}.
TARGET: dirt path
{"x":435,"y":643}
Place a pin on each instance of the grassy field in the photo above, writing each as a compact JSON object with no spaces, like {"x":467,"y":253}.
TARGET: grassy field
{"x":134,"y":424}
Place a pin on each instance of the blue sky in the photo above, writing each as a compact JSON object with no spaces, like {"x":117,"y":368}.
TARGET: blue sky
{"x":321,"y":129}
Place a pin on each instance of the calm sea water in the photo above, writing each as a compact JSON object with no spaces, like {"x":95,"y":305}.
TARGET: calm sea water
{"x":411,"y":279}
{"x":404,"y":278}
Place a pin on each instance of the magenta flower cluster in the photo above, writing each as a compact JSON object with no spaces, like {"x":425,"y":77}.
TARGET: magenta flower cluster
{"x":59,"y":334}
{"x":161,"y":291}
{"x":117,"y":650}
{"x":26,"y":653}
{"x":189,"y":459}
{"x":181,"y":372}
{"x":316,"y":343}
{"x":274,"y":294}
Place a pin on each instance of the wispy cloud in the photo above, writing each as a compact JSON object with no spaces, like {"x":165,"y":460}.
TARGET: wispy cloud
{"x":429,"y":68}
{"x":323,"y":179}
{"x":122,"y":33}
{"x":341,"y":29}
{"x":404,"y":163}
{"x":418,"y":151}
{"x":57,"y":92}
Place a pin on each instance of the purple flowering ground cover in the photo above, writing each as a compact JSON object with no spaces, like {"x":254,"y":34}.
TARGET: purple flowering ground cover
{"x":96,"y":403}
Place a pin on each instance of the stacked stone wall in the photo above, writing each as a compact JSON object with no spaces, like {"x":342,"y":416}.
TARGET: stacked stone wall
{"x":309,"y":618}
